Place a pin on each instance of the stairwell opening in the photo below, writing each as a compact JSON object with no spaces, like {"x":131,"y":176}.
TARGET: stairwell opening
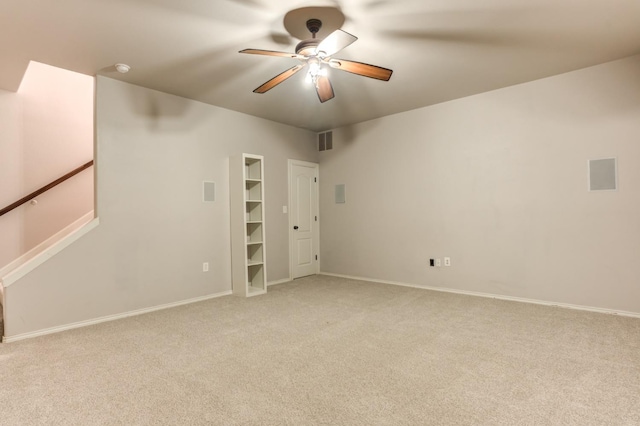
{"x":47,"y":131}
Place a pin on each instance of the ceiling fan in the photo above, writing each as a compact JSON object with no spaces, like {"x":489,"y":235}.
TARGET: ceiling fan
{"x":317,"y":54}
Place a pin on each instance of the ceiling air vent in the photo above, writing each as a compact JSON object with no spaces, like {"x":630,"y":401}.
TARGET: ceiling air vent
{"x":325,"y":141}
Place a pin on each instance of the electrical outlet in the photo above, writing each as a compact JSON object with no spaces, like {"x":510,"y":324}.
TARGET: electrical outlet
{"x":447,"y":261}
{"x":205,"y":267}
{"x":438,"y":263}
{"x":432,"y":262}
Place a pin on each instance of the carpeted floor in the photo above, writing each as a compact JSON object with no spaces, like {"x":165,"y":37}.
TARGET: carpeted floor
{"x":329,"y":351}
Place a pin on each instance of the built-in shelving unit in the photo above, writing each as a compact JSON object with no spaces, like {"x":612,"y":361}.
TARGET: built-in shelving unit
{"x":248,"y":255}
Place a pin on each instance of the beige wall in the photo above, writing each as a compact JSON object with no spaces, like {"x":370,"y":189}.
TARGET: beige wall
{"x":153,"y":152}
{"x":498,"y":182}
{"x":11,"y":185}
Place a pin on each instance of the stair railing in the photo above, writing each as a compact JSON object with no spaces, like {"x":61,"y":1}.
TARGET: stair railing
{"x":45,"y":188}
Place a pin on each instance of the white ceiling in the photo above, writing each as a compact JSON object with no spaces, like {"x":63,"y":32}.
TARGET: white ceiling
{"x":439,"y":49}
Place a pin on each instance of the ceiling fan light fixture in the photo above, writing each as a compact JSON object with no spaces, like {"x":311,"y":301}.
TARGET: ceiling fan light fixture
{"x":315,"y":70}
{"x":314,"y":66}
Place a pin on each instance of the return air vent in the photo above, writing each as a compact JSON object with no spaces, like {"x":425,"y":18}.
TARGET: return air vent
{"x":603,"y":175}
{"x":325,"y":141}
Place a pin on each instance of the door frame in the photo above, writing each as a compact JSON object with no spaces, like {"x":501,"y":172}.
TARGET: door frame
{"x":316,"y":230}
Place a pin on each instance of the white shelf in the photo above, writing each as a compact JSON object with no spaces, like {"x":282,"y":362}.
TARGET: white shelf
{"x":248,"y":255}
{"x":255,"y":291}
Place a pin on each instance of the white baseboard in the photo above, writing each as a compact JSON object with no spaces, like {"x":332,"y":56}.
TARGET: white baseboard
{"x":111,"y":317}
{"x":492,"y":296}
{"x":286,"y":280}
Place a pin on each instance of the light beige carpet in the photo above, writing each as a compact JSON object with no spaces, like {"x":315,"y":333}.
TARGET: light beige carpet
{"x":328,"y":351}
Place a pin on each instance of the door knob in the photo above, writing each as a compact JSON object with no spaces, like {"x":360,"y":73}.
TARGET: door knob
{"x":295,"y":227}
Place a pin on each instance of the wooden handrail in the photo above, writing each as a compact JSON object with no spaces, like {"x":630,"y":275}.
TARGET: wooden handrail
{"x":45,"y":188}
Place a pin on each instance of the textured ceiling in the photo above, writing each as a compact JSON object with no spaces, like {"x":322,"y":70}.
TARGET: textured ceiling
{"x":439,"y":49}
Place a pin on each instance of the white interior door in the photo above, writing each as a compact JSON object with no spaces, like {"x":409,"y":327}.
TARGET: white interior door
{"x":303,"y":218}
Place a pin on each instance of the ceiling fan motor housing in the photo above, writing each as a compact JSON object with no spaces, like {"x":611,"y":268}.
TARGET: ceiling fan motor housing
{"x":307,"y":47}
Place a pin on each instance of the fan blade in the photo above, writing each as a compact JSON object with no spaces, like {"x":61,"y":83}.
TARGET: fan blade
{"x":361,"y":68}
{"x":335,"y":42}
{"x":324,"y":88}
{"x":269,"y":53}
{"x":279,"y":79}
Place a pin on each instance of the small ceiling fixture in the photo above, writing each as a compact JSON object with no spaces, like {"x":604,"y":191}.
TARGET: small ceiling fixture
{"x":122,"y":68}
